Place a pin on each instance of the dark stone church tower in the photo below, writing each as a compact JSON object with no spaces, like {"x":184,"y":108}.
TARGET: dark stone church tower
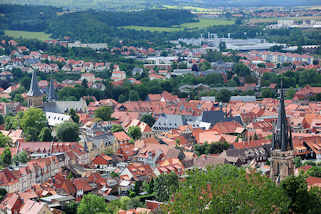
{"x":34,"y":95}
{"x":282,"y":148}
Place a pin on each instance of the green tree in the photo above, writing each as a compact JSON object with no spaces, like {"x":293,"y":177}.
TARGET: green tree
{"x":68,"y":132}
{"x":165,"y":185}
{"x":301,"y":200}
{"x":6,"y":156}
{"x":227,"y":189}
{"x":70,"y":208}
{"x":137,"y":187}
{"x":103,"y":113}
{"x":84,"y":83}
{"x":134,"y":132}
{"x":91,"y":203}
{"x":9,"y":122}
{"x":223,"y":95}
{"x":241,"y":70}
{"x":116,"y":128}
{"x":205,"y":66}
{"x":148,"y":186}
{"x":148,"y":119}
{"x":32,"y":122}
{"x":18,"y":98}
{"x":1,"y":119}
{"x":268,"y":93}
{"x":122,"y":98}
{"x":133,"y":95}
{"x":74,"y":116}
{"x":290,"y":93}
{"x":45,"y":135}
{"x":22,"y":157}
{"x":3,"y":193}
{"x":4,"y":140}
{"x":315,"y":171}
{"x":297,"y":162}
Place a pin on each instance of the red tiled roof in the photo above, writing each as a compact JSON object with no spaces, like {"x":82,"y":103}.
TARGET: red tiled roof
{"x":82,"y":184}
{"x":313,"y":181}
{"x":121,"y":136}
{"x":102,"y":160}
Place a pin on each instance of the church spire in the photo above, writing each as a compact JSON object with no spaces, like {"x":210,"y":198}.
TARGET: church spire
{"x":282,"y":137}
{"x":34,"y":90}
{"x":51,"y":91}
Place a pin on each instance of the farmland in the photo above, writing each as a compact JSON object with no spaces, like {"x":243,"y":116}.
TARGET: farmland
{"x":28,"y":35}
{"x":203,"y":23}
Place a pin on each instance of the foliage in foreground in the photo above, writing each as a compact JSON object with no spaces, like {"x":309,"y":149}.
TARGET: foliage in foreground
{"x":228,"y":189}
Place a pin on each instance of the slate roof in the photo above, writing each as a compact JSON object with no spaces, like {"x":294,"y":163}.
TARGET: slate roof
{"x":213,"y":117}
{"x":169,"y":121}
{"x":243,"y":99}
{"x":282,"y":136}
{"x":34,"y":90}
{"x":51,"y":91}
{"x":64,"y":106}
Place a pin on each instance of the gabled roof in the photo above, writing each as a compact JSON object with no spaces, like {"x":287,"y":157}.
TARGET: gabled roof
{"x":64,"y":106}
{"x":32,"y":207}
{"x":213,"y":117}
{"x":121,"y":136}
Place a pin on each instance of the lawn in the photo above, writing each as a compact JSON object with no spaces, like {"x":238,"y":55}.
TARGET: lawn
{"x":28,"y":35}
{"x":203,"y":23}
{"x":207,"y":22}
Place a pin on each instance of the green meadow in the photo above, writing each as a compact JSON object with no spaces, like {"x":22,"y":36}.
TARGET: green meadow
{"x":203,"y":23}
{"x":27,"y":35}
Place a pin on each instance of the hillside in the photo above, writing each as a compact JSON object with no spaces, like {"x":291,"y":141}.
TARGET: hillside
{"x":148,"y":4}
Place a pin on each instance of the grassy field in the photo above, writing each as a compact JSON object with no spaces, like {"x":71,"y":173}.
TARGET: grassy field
{"x":28,"y":35}
{"x":203,"y":23}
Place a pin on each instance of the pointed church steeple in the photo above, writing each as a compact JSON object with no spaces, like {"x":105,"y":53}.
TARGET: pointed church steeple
{"x":34,"y":90}
{"x":282,"y":149}
{"x":282,"y":137}
{"x":51,"y":91}
{"x":34,"y":95}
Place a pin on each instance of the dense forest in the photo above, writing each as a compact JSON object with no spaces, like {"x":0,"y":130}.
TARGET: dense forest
{"x":94,"y":26}
{"x":35,"y":18}
{"x":28,"y":18}
{"x":152,"y":18}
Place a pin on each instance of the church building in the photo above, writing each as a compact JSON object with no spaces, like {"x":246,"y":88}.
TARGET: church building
{"x":56,"y":111}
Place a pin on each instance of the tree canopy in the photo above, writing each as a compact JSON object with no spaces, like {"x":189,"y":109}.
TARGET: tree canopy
{"x":103,"y":113}
{"x":4,"y":140}
{"x":134,"y":132}
{"x":148,"y":119}
{"x":165,"y":185}
{"x":32,"y":122}
{"x":45,"y":135}
{"x":301,"y":199}
{"x":68,"y":131}
{"x":116,"y":128}
{"x":6,"y":156}
{"x":227,"y":189}
{"x":91,"y":203}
